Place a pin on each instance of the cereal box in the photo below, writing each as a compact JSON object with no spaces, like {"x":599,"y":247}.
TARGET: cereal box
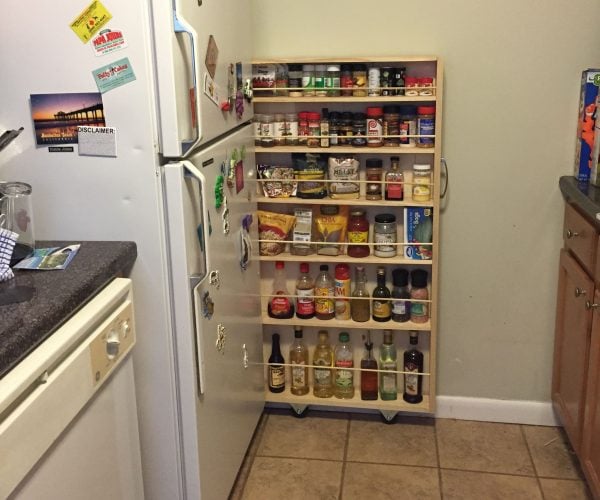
{"x":590,"y":81}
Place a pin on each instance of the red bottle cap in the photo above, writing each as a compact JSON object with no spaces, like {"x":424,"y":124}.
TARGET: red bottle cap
{"x":426,"y":110}
{"x":425,"y":79}
{"x":374,"y":111}
{"x":409,"y":80}
{"x":304,"y":267}
{"x":279,"y":264}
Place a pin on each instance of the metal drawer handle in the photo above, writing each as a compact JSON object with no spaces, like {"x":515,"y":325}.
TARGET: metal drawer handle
{"x":589,"y":305}
{"x":571,"y":234}
{"x":579,"y":292}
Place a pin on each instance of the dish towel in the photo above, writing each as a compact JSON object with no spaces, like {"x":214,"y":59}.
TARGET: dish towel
{"x":7,"y":243}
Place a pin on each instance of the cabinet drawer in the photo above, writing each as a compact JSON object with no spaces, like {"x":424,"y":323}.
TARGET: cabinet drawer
{"x":581,"y":238}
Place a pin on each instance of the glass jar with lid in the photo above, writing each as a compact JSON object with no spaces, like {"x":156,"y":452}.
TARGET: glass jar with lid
{"x":266,"y":131}
{"x":385,"y":235}
{"x":358,"y":232}
{"x":346,"y":82}
{"x":359,"y":80}
{"x":359,"y":129}
{"x":320,"y":76}
{"x":421,"y":190}
{"x":345,"y":129}
{"x":295,"y":80}
{"x":332,"y":80}
{"x":308,"y":80}
{"x":374,"y":178}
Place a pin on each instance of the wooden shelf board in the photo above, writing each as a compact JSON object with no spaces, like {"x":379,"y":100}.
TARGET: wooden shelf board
{"x":347,"y":324}
{"x":287,"y":397}
{"x":391,"y":150}
{"x":259,"y":99}
{"x":328,"y":201}
{"x":371,"y":259}
{"x":376,"y":59}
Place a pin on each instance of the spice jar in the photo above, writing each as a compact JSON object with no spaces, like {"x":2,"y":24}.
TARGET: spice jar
{"x":257,"y":128}
{"x":399,"y":76}
{"x":359,"y":130}
{"x":345,"y":130}
{"x":385,"y":235}
{"x":320,"y":70}
{"x":374,"y":173}
{"x":302,"y":127}
{"x":295,"y":80}
{"x":314,"y":130}
{"x":358,"y":232}
{"x":421,"y":190}
{"x":346,"y":82}
{"x":426,"y":86}
{"x":374,"y":127}
{"x":334,"y":128}
{"x":278,"y":129}
{"x":281,"y":80}
{"x":332,"y":80}
{"x":359,"y":80}
{"x":308,"y":80}
{"x":291,"y":129}
{"x":419,"y":311}
{"x":407,"y":126}
{"x":391,"y":123}
{"x":386,"y":80}
{"x":266,"y":131}
{"x":425,"y":126}
{"x":374,"y":76}
{"x":412,"y":86}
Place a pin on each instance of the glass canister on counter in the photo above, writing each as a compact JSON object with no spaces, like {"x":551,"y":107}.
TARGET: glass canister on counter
{"x":421,"y":189}
{"x":374,"y":167}
{"x":385,"y":235}
{"x":358,"y":233}
{"x":425,"y":126}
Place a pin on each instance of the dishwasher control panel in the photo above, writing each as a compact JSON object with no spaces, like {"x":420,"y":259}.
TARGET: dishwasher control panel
{"x":114,"y":339}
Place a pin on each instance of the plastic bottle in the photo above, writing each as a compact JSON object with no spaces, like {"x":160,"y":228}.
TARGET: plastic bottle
{"x":413,"y":362}
{"x":400,"y":296}
{"x":323,"y":377}
{"x":360,"y":308}
{"x":276,"y":378}
{"x":388,"y":386}
{"x":299,"y":362}
{"x":342,"y":289}
{"x":368,"y":379}
{"x":280,"y":305}
{"x":343,"y":358}
{"x":305,"y":291}
{"x":324,"y":286}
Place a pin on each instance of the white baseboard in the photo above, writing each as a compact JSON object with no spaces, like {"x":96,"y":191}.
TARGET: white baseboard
{"x":496,"y":410}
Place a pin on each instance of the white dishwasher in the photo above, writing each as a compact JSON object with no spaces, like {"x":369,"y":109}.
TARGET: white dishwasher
{"x":68,"y":416}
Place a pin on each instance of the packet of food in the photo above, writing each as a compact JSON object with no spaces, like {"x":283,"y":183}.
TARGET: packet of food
{"x":343,"y":169}
{"x":309,"y":169}
{"x":273,"y":227}
{"x":330,"y":227}
{"x":279,"y":181}
{"x":302,"y":233}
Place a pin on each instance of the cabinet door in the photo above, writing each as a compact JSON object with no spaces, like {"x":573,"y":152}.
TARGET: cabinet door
{"x":590,"y":442}
{"x":571,"y":346}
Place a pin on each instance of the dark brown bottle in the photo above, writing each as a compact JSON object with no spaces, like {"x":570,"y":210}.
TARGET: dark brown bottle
{"x":413,"y":362}
{"x":382,"y":307}
{"x":276,"y":370}
{"x":368,"y":380}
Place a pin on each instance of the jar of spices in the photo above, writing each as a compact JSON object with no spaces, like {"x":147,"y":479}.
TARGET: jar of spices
{"x":399,"y":76}
{"x":374,"y":127}
{"x":359,"y":130}
{"x":346,"y":82}
{"x":386,"y":80}
{"x":421,"y":190}
{"x":266,"y":131}
{"x":359,"y":80}
{"x":407,"y":126}
{"x":295,"y":80}
{"x":257,"y":128}
{"x":385,"y":235}
{"x":358,"y":232}
{"x":374,"y":76}
{"x":391,"y":124}
{"x":314,"y":130}
{"x":412,"y":86}
{"x":278,"y":129}
{"x":281,"y":80}
{"x":291,"y":129}
{"x":332,"y":81}
{"x":320,"y":74}
{"x":308,"y":80}
{"x":426,"y":86}
{"x":400,"y":296}
{"x":345,"y":130}
{"x":302,"y":127}
{"x":334,"y":128}
{"x":425,"y":126}
{"x":419,"y":311}
{"x":374,"y":176}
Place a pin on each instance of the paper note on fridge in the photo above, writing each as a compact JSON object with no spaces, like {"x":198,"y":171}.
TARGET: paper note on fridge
{"x":114,"y":75}
{"x":88,"y":22}
{"x":97,"y":141}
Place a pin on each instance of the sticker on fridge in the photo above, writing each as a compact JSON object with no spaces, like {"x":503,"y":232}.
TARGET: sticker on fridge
{"x":97,"y":141}
{"x":108,"y":41}
{"x":57,"y":116}
{"x":114,"y":75}
{"x":90,"y":21}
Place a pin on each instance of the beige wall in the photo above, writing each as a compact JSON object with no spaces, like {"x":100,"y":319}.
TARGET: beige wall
{"x":512,"y":71}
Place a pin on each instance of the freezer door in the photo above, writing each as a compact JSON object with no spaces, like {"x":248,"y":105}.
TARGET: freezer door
{"x":203,"y":52}
{"x":216,"y":309}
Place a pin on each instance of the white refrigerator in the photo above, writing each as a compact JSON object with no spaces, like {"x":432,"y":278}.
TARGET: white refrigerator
{"x":177,"y":180}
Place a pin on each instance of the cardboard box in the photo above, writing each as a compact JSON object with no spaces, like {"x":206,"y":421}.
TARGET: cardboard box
{"x":418,"y":228}
{"x":584,"y":148}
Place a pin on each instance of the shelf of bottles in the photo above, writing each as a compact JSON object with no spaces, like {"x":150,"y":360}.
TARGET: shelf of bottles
{"x":273,"y":101}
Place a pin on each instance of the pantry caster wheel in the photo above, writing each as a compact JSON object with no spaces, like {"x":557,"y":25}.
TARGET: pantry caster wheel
{"x":388,"y":417}
{"x":299,"y":411}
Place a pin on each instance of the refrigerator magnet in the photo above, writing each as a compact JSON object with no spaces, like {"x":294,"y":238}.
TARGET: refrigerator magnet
{"x":211,"y":89}
{"x":108,"y":41}
{"x":212,"y":54}
{"x":114,"y":75}
{"x":97,"y":141}
{"x":90,"y":21}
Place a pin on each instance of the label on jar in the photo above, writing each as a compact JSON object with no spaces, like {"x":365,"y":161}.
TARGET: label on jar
{"x":426,"y":126}
{"x":324,"y":306}
{"x":421,"y":189}
{"x":358,"y":236}
{"x":406,"y":128}
{"x":399,"y":307}
{"x":374,"y":131}
{"x":380,"y":242}
{"x":305,"y":303}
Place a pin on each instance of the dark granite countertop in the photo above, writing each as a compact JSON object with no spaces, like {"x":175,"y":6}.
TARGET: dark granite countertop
{"x":57,"y":295}
{"x":585,"y":196}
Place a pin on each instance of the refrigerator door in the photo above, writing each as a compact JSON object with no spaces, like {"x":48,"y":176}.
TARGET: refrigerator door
{"x":203,"y":54}
{"x":216,"y":311}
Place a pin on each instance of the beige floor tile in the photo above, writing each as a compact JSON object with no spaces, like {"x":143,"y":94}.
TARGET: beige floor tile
{"x":463,"y":485}
{"x":258,"y":433}
{"x":320,"y":435}
{"x":293,"y":479}
{"x":389,"y":482}
{"x":551,"y":453}
{"x":408,"y":441}
{"x":482,"y":446}
{"x":564,"y":489}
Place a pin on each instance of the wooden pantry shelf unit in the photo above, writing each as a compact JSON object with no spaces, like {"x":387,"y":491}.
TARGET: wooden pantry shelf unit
{"x":281,"y":155}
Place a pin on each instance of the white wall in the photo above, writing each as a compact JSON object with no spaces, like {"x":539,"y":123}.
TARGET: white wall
{"x":512,"y":71}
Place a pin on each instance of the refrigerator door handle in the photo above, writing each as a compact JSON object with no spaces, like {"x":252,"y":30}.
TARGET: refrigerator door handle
{"x":180,"y":26}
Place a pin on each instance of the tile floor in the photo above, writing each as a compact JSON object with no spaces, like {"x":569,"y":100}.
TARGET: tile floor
{"x":346,"y":456}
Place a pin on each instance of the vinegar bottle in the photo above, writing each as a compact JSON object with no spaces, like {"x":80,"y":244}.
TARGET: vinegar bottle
{"x":388,"y":387}
{"x":323,"y":356}
{"x":299,"y":360}
{"x":368,"y":380}
{"x":344,"y":379}
{"x":276,"y":376}
{"x":413,"y":363}
{"x":324,"y":286}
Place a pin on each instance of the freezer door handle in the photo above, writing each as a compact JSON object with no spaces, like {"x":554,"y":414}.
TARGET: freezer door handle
{"x":180,"y":26}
